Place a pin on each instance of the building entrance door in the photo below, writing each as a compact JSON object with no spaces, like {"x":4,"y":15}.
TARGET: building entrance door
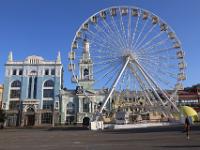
{"x":30,"y":120}
{"x":30,"y":117}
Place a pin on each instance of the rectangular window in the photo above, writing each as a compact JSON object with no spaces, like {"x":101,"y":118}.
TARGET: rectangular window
{"x":48,"y":93}
{"x":15,"y":93}
{"x":48,"y":104}
{"x":85,"y":105}
{"x":14,"y":72}
{"x":52,"y":71}
{"x":14,"y":105}
{"x":70,"y":111}
{"x":46,"y":118}
{"x":57,"y":105}
{"x":20,"y":72}
{"x":46,"y":72}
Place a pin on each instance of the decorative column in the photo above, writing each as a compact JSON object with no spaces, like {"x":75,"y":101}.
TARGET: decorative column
{"x":80,"y":105}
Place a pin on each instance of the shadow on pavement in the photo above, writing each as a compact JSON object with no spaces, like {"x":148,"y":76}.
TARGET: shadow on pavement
{"x":151,"y":129}
{"x":179,"y":146}
{"x":67,"y":128}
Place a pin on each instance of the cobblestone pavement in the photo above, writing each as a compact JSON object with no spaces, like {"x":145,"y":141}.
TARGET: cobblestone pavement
{"x":71,"y":139}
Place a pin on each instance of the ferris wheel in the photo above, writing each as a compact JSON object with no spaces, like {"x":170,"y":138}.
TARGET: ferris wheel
{"x":130,"y":49}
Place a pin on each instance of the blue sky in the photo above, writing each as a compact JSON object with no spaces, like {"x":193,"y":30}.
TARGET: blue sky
{"x":42,"y":27}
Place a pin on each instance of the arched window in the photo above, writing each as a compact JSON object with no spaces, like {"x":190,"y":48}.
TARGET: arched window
{"x":49,"y":83}
{"x":15,"y":90}
{"x":48,"y":89}
{"x":16,"y":83}
{"x":86,"y":73}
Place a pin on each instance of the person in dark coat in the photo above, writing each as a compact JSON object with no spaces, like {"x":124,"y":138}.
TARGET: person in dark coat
{"x":187,"y":126}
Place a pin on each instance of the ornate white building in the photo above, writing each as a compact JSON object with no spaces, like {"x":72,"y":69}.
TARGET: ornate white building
{"x":79,"y":104}
{"x":31,"y":90}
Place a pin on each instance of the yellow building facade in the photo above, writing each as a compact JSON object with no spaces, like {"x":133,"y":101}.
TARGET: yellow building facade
{"x":1,"y":95}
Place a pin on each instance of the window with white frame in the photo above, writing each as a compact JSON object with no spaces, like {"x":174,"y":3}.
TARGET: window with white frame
{"x":46,"y":118}
{"x":48,"y":104}
{"x":70,"y":108}
{"x":48,"y":89}
{"x":15,"y":90}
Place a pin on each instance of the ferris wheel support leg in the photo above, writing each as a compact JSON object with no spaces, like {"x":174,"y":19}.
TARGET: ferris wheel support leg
{"x":140,"y":83}
{"x":148,"y":77}
{"x":115,"y":84}
{"x":149,"y":83}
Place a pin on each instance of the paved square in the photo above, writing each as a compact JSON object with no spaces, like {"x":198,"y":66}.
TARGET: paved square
{"x":70,"y":139}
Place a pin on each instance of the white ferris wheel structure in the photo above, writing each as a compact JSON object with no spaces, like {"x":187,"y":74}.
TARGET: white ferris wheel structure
{"x":131,"y":49}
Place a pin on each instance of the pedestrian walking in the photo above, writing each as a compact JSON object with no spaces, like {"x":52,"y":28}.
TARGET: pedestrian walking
{"x":187,"y":127}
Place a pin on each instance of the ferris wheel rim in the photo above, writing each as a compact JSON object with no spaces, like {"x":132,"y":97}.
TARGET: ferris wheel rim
{"x":130,"y":7}
{"x":119,"y":7}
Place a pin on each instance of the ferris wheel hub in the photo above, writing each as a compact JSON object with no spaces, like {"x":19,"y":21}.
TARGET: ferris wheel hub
{"x":129,"y":54}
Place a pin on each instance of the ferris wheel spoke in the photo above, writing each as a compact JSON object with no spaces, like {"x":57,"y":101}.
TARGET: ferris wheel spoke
{"x":117,"y":29}
{"x":115,"y":83}
{"x":142,"y":30}
{"x":141,"y":83}
{"x":152,"y":47}
{"x":168,"y":58}
{"x":103,"y":43}
{"x":99,"y":40}
{"x":127,"y":84}
{"x":163,"y":71}
{"x":123,"y":78}
{"x":172,"y":75}
{"x":150,"y":41}
{"x":109,"y":80}
{"x":111,"y":70}
{"x":159,"y":77}
{"x":114,"y":34}
{"x":106,"y":38}
{"x":156,"y":85}
{"x":103,"y":50}
{"x":123,"y":30}
{"x":106,"y":61}
{"x":149,"y":93}
{"x":101,"y":54}
{"x":162,"y":50}
{"x":135,"y":30}
{"x":149,"y":81}
{"x":145,"y":36}
{"x":151,"y":85}
{"x":156,"y":62}
{"x":161,"y":66}
{"x":129,"y":29}
{"x":105,"y":67}
{"x":107,"y":35}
